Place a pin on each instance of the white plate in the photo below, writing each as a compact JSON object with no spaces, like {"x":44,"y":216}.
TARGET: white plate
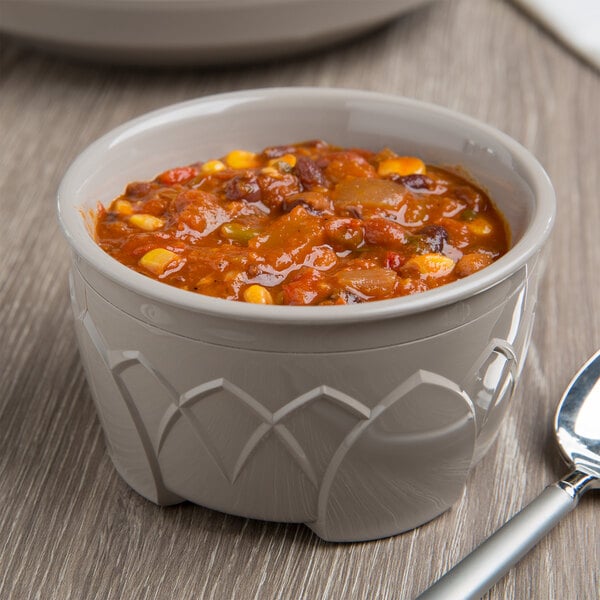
{"x":193,"y":31}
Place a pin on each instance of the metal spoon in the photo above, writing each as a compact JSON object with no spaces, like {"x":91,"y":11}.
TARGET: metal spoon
{"x":577,"y":429}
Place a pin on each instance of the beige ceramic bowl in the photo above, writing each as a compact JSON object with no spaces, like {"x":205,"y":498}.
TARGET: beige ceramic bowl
{"x":361,"y":421}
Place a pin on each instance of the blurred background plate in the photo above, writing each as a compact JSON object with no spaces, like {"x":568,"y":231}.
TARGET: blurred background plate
{"x":203,"y":32}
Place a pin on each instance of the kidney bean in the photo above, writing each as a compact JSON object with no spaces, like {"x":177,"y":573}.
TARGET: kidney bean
{"x":385,"y":233}
{"x":243,"y":187}
{"x":414,"y":181}
{"x":275,"y":190}
{"x":313,"y":202}
{"x":308,"y":172}
{"x":138,"y":189}
{"x":471,"y":196}
{"x":344,"y":234}
{"x":433,"y":238}
{"x":277,"y":151}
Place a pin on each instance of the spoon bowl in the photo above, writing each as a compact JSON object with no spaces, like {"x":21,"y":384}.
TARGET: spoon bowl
{"x":577,"y":430}
{"x":577,"y":421}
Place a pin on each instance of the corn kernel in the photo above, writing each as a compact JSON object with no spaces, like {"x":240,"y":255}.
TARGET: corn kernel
{"x":146,"y":222}
{"x":284,"y":163}
{"x":212,"y":166}
{"x":480,"y":226}
{"x":206,"y":280}
{"x":257,"y":294}
{"x":385,"y":153}
{"x":403,"y":165}
{"x":271,"y":171}
{"x":157,"y":260}
{"x":242,"y":159}
{"x":123,"y":207}
{"x":433,"y":265}
{"x":230,"y":276}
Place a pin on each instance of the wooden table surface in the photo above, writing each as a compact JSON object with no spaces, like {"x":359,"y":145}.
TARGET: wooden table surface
{"x":70,"y":528}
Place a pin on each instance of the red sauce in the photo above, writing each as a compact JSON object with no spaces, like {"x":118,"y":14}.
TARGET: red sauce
{"x":303,"y":224}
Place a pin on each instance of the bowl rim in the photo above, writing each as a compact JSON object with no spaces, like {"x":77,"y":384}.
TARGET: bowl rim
{"x":76,"y":233}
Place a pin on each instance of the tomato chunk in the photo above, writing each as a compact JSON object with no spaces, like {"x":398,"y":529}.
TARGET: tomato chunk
{"x":178,"y":175}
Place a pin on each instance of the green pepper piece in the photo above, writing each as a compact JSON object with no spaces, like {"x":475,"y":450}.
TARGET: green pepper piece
{"x":238,"y":233}
{"x":468,"y":214}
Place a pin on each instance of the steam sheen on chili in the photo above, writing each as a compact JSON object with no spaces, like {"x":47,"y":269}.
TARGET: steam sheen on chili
{"x":304,"y":224}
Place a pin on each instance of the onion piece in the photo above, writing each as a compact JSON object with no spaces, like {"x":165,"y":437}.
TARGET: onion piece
{"x":369,"y":193}
{"x":374,"y":281}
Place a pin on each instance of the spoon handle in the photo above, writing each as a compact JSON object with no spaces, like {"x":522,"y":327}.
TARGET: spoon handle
{"x":476,"y":573}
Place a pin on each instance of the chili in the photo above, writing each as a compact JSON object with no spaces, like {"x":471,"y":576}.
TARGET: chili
{"x":304,"y":224}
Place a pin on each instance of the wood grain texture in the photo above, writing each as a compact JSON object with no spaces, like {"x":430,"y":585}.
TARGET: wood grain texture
{"x":71,"y":529}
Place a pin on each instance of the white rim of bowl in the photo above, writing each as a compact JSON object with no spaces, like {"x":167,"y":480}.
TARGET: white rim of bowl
{"x":534,"y":237}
